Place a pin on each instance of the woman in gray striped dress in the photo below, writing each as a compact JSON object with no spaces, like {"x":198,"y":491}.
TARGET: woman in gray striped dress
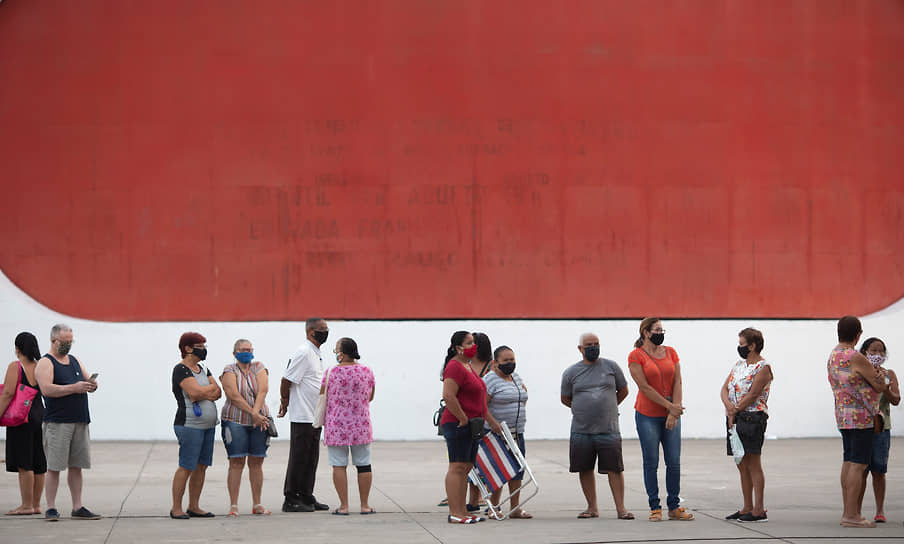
{"x":506,"y":400}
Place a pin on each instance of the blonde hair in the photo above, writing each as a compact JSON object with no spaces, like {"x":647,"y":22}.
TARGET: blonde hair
{"x":645,"y":325}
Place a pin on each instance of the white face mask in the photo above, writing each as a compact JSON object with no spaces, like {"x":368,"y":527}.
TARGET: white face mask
{"x":876,"y":359}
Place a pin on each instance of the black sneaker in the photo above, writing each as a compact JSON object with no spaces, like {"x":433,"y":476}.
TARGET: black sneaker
{"x":749,"y":517}
{"x":289,"y":506}
{"x":736,"y":515}
{"x":52,"y":515}
{"x":84,"y":513}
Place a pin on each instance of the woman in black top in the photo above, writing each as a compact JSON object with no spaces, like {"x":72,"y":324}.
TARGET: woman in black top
{"x":24,"y":448}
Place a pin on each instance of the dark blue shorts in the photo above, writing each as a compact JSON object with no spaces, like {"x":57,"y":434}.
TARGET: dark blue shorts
{"x":881,"y":444}
{"x":244,"y":440}
{"x":858,"y":445}
{"x":462,"y":449}
{"x":195,"y":446}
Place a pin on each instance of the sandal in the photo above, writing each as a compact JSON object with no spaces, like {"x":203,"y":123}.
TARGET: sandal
{"x":587,"y":514}
{"x":863,"y":524}
{"x":520,"y":514}
{"x":626,"y":515}
{"x":444,"y":502}
{"x":260,"y":510}
{"x":680,"y":514}
{"x":457,"y":520}
{"x":879,"y":518}
{"x":656,"y":515}
{"x":233,"y":511}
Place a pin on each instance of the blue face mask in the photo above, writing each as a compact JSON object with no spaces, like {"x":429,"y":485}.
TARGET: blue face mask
{"x":244,"y":357}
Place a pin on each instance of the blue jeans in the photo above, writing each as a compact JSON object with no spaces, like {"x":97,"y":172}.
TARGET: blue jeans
{"x":652,"y":432}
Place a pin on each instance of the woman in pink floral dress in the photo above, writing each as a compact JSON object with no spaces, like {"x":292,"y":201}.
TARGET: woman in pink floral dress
{"x":349,"y":388}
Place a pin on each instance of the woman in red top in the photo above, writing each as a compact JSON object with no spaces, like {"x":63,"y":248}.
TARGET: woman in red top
{"x":656,"y":372}
{"x":465,"y":396}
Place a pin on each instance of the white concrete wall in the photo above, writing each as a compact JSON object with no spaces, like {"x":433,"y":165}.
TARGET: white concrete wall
{"x":135,"y":361}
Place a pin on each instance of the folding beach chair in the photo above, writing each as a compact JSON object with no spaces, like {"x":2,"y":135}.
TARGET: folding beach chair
{"x":498,"y":461}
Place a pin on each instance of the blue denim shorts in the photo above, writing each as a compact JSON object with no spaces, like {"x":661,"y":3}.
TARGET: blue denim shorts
{"x":858,"y":445}
{"x":461,"y":447}
{"x":244,"y":440}
{"x":195,"y":446}
{"x":881,"y":444}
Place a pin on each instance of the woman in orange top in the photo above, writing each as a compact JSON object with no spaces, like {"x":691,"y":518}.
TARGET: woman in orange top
{"x":656,"y":372}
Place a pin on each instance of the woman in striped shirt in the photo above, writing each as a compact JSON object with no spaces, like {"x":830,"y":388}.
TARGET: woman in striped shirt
{"x":245,"y":422}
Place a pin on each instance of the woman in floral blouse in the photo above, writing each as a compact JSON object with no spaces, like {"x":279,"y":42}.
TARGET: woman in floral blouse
{"x":745,"y":394}
{"x":349,"y":389}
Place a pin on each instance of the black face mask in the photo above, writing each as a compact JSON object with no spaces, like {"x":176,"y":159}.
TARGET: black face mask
{"x":657,"y":338}
{"x":507,"y":368}
{"x":743,"y":351}
{"x":591,"y":353}
{"x":200,"y":353}
{"x":321,"y":336}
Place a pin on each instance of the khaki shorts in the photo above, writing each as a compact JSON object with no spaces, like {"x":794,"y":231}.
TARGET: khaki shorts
{"x":67,"y":445}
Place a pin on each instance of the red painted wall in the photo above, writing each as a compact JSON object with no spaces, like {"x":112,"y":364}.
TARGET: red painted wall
{"x":225,"y":160}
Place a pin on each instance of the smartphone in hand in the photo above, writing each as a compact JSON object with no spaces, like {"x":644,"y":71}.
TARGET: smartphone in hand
{"x":93,"y":377}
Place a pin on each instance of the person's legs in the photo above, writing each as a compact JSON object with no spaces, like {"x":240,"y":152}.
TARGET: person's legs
{"x":617,"y":486}
{"x":757,"y":482}
{"x":879,"y":492}
{"x":234,"y":481}
{"x":588,"y":486}
{"x":852,"y":485}
{"x":309,"y":460}
{"x":26,"y":490}
{"x":74,"y":479}
{"x":37,"y":488}
{"x":361,"y":460}
{"x":456,"y":488}
{"x":294,"y":471}
{"x":180,"y":478}
{"x":195,"y":486}
{"x":340,"y":482}
{"x":746,"y":486}
{"x":649,"y":432}
{"x":256,"y":478}
{"x":51,"y":484}
{"x":671,"y":451}
{"x":878,"y":466}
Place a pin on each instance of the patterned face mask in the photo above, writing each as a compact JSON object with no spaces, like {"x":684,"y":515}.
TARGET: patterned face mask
{"x":876,"y":359}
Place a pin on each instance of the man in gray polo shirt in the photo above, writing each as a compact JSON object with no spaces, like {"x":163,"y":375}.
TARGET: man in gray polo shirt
{"x":593,"y":388}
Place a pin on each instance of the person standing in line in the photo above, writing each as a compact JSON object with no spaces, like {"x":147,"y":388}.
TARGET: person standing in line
{"x":593,"y":388}
{"x":507,"y":401}
{"x":657,"y":412}
{"x":875,"y":352}
{"x":856,"y":386}
{"x":298,"y":392}
{"x":349,"y":389}
{"x":744,"y":395}
{"x":24,"y":450}
{"x":195,"y":424}
{"x":65,"y":383}
{"x":465,"y":396}
{"x":245,"y":421}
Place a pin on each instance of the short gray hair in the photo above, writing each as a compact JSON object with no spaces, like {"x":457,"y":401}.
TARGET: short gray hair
{"x":238,"y":343}
{"x":57,"y":329}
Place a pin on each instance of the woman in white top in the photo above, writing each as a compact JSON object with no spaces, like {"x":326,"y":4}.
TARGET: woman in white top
{"x":744,"y":394}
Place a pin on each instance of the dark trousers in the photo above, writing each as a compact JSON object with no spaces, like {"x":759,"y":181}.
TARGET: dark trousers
{"x":304,"y":453}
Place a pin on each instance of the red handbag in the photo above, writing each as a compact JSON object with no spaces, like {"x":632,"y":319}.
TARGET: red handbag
{"x":17,"y":412}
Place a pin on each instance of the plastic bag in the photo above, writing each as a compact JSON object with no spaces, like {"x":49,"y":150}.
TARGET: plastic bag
{"x":737,"y":448}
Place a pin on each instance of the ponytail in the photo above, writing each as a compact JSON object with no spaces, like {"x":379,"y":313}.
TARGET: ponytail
{"x":457,"y":339}
{"x":645,"y":325}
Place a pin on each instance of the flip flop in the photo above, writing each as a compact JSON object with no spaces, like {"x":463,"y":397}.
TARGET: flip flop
{"x":520,"y":514}
{"x":587,"y":514}
{"x":371,"y":511}
{"x":865,"y":524}
{"x":336,"y":512}
{"x":879,"y":518}
{"x":464,"y":521}
{"x":444,"y":502}
{"x":18,"y":512}
{"x":626,"y":515}
{"x":260,"y":510}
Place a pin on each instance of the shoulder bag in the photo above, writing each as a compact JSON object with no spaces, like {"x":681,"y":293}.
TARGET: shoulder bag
{"x":320,"y":410}
{"x":17,"y":412}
